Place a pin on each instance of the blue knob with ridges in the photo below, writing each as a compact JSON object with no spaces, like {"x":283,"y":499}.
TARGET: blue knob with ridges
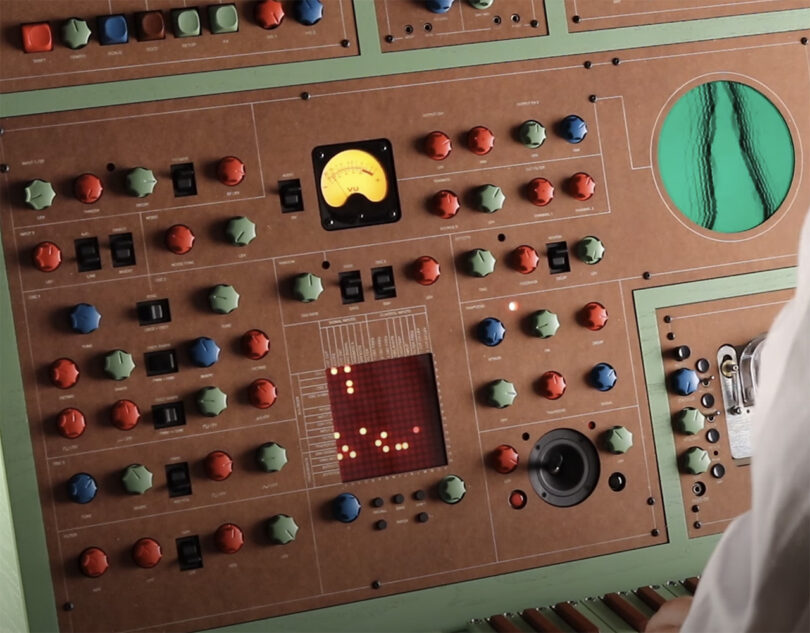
{"x":309,"y":12}
{"x":113,"y":29}
{"x":603,"y":377}
{"x":573,"y":128}
{"x":204,"y":352}
{"x":346,"y":507}
{"x":491,"y":331}
{"x":439,"y":6}
{"x":82,"y":488}
{"x":684,"y":381}
{"x":84,"y":318}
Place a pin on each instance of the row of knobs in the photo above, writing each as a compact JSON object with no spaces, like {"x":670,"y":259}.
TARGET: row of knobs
{"x":542,"y":323}
{"x":480,"y":140}
{"x":501,"y":393}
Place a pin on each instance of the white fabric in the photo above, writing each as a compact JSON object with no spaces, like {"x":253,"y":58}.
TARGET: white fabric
{"x":758,"y":578}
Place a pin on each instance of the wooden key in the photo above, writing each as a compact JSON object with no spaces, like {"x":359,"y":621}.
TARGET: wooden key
{"x":650,"y":597}
{"x":502,"y":624}
{"x":691,"y":584}
{"x":574,"y":618}
{"x":540,"y":623}
{"x":626,"y":611}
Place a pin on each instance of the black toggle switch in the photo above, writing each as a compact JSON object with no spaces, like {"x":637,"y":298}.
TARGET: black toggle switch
{"x":168,"y":414}
{"x":189,"y":554}
{"x":178,"y":479}
{"x":557,"y":253}
{"x":123,"y":250}
{"x":383,"y":281}
{"x":87,"y":254}
{"x":160,"y":362}
{"x":289,"y":192}
{"x":152,"y":312}
{"x":351,"y":287}
{"x":184,"y":180}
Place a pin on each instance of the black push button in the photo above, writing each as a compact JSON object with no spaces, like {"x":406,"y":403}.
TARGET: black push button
{"x":557,"y":253}
{"x":189,"y":554}
{"x":289,"y":192}
{"x":351,"y":287}
{"x":161,"y":362}
{"x":168,"y":414}
{"x":183,"y":180}
{"x":383,"y":281}
{"x":87,"y":254}
{"x":682,"y":352}
{"x":178,"y":479}
{"x":123,"y":250}
{"x":152,"y":312}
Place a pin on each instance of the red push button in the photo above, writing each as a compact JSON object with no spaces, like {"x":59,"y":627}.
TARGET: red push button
{"x":71,"y":423}
{"x":218,"y":465}
{"x":517,"y":499}
{"x":269,"y":14}
{"x":480,"y":140}
{"x":552,"y":385}
{"x":438,"y":145}
{"x":505,"y":459}
{"x":540,"y":192}
{"x":581,"y":186}
{"x":525,"y":259}
{"x":426,"y":270}
{"x":445,"y":204}
{"x":93,"y":562}
{"x":88,"y":188}
{"x":64,"y":373}
{"x":262,"y":393}
{"x":179,"y":239}
{"x":37,"y":38}
{"x":47,"y":256}
{"x":147,"y":553}
{"x":125,"y":415}
{"x":231,"y":171}
{"x":255,"y":344}
{"x":229,"y":538}
{"x":593,"y":316}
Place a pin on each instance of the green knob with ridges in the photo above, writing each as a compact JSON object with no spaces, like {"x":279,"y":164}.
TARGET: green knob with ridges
{"x":241,"y":231}
{"x":282,"y":529}
{"x":480,"y":262}
{"x":590,"y":250}
{"x":489,"y":198}
{"x":695,"y":461}
{"x":532,"y":134}
{"x":481,"y":4}
{"x":452,"y":489}
{"x":223,"y":299}
{"x":75,"y":33}
{"x":118,"y":364}
{"x":140,"y":182}
{"x":501,"y":393}
{"x":272,"y":457}
{"x":137,"y":479}
{"x":39,"y":194}
{"x":211,"y":401}
{"x":618,"y":440}
{"x":689,"y":421}
{"x":544,"y":323}
{"x":307,"y":287}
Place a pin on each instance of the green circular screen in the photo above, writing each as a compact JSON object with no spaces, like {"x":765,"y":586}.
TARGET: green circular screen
{"x":725,"y":156}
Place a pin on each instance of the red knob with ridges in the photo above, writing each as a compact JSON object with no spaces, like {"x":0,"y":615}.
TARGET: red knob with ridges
{"x":525,"y":259}
{"x":269,"y":14}
{"x":480,"y":140}
{"x":93,"y":562}
{"x":71,"y":423}
{"x":125,"y":414}
{"x":426,"y":270}
{"x":179,"y":239}
{"x":581,"y":186}
{"x":505,"y":459}
{"x":64,"y":373}
{"x":231,"y":171}
{"x":540,"y":192}
{"x":229,"y":538}
{"x":593,"y":316}
{"x":262,"y":393}
{"x":438,"y":145}
{"x":146,"y":553}
{"x":88,"y":188}
{"x":552,"y":385}
{"x":255,"y":344}
{"x":47,"y":256}
{"x":218,"y":465}
{"x":445,"y":204}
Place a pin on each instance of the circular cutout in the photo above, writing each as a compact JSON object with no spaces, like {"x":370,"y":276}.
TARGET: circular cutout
{"x":564,"y":467}
{"x":725,"y":156}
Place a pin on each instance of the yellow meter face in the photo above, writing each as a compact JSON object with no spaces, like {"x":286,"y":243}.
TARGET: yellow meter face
{"x":353,"y":171}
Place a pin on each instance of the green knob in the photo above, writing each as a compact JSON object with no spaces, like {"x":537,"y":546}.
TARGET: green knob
{"x":39,"y":194}
{"x":689,"y":421}
{"x":140,"y":182}
{"x":501,"y":393}
{"x":532,"y":134}
{"x":695,"y":461}
{"x":186,"y":22}
{"x":211,"y":401}
{"x":591,"y":250}
{"x":223,"y":18}
{"x":544,"y":323}
{"x":307,"y":287}
{"x":452,"y":489}
{"x":481,"y":4}
{"x":241,"y":231}
{"x":223,"y":299}
{"x":489,"y":198}
{"x":118,"y":364}
{"x":480,"y":262}
{"x":282,"y":529}
{"x":137,"y":479}
{"x":618,"y":440}
{"x":271,"y":457}
{"x":75,"y":33}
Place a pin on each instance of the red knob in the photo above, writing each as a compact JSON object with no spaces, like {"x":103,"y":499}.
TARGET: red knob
{"x":525,"y":259}
{"x":255,"y":344}
{"x":229,"y":538}
{"x":593,"y":316}
{"x":64,"y":373}
{"x":262,"y":393}
{"x":88,"y":188}
{"x":505,"y":459}
{"x":269,"y":14}
{"x":231,"y":171}
{"x":581,"y":186}
{"x":517,"y":499}
{"x":125,"y":414}
{"x":426,"y":270}
{"x":541,"y":192}
{"x":445,"y":204}
{"x":552,"y":385}
{"x":218,"y":465}
{"x":93,"y":562}
{"x":179,"y":239}
{"x":71,"y":423}
{"x":146,"y":553}
{"x":438,"y":145}
{"x":480,"y":140}
{"x":47,"y":256}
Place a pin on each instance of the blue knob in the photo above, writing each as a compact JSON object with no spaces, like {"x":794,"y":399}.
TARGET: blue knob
{"x":684,"y":382}
{"x":439,"y":6}
{"x":82,"y":488}
{"x":603,"y":377}
{"x":491,"y":331}
{"x":204,"y":352}
{"x":84,"y":318}
{"x":113,"y":29}
{"x":309,"y":12}
{"x":346,"y":507}
{"x":573,"y":128}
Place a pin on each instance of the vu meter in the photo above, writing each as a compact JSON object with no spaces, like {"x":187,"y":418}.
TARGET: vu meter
{"x":356,"y":183}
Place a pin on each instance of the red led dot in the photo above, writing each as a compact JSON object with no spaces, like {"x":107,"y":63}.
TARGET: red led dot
{"x":518,"y":499}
